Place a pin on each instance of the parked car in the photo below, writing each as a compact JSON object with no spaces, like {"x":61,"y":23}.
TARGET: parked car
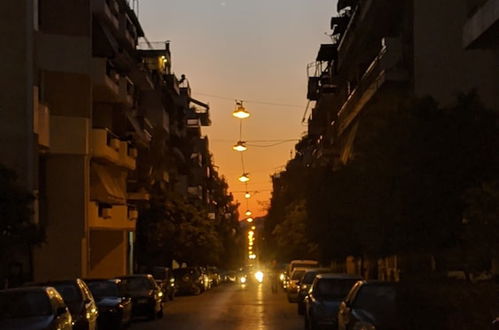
{"x":322,"y":303}
{"x":166,"y":281}
{"x":214,"y":276}
{"x":115,"y":310}
{"x":33,"y":308}
{"x":146,"y":295}
{"x":80,"y":302}
{"x":370,"y":305}
{"x":301,"y":264}
{"x":189,"y":280}
{"x":294,"y":284}
{"x":305,"y":284}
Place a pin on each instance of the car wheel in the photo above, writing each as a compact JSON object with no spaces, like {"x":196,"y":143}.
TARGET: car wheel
{"x":160,"y":313}
{"x":197,"y":291}
{"x":301,"y":309}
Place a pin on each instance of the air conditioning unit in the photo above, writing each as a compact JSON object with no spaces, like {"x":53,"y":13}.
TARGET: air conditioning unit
{"x":106,"y":213}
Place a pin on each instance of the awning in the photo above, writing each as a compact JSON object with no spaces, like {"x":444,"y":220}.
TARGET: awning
{"x":107,"y":185}
{"x":327,"y":52}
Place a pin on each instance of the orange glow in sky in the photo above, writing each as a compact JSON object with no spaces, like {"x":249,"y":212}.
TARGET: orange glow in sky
{"x":251,"y":50}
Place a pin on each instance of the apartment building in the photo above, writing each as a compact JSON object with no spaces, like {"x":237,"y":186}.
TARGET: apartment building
{"x":383,"y":53}
{"x":91,"y":121}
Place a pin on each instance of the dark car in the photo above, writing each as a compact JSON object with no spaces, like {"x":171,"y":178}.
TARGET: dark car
{"x":189,"y":280}
{"x":165,"y":280}
{"x":146,"y":295}
{"x":305,"y":284}
{"x":33,"y":308}
{"x":370,"y":305}
{"x":322,"y":302}
{"x":80,"y":302}
{"x":115,"y":310}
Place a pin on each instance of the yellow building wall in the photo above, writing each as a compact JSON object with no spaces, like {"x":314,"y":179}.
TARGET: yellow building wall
{"x":108,"y":253}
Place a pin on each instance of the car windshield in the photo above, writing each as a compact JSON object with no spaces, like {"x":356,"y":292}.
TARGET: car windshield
{"x":137,"y":283}
{"x":309,"y":277}
{"x":69,"y":292}
{"x":378,"y":300}
{"x":298,"y":275}
{"x":21,"y":304}
{"x":102,"y":289}
{"x":333,"y":289}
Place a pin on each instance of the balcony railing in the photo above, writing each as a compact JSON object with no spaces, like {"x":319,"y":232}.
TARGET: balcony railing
{"x":128,"y":155}
{"x":127,"y":91}
{"x":105,"y":146}
{"x":108,"y":12}
{"x":106,"y":80}
{"x":384,"y":68}
{"x":111,"y":217}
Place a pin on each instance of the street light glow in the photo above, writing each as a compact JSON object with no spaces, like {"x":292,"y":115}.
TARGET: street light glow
{"x":244,"y":178}
{"x":240,"y":111}
{"x":250,"y":220}
{"x":248,"y":213}
{"x":240,"y":146}
{"x":247,"y":195}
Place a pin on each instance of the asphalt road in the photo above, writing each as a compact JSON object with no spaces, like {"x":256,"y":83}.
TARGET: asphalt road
{"x":228,"y":307}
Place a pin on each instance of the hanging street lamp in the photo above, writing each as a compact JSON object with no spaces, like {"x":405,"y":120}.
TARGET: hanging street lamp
{"x":244,"y":178}
{"x":240,"y":112}
{"x":240,"y":146}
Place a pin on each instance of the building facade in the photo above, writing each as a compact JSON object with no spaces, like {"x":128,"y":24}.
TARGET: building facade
{"x":93,"y":118}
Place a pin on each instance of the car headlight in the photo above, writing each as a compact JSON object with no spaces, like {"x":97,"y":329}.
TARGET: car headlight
{"x":363,"y":326}
{"x":243,"y":279}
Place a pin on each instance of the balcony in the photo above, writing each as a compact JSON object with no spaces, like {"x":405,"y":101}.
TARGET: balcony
{"x":140,"y":195}
{"x":128,"y":155}
{"x":482,"y":28}
{"x":385,"y":69}
{"x":41,"y":124}
{"x":127,"y":92}
{"x":107,"y":11}
{"x":106,"y":146}
{"x":129,"y":31}
{"x":106,"y":81}
{"x":104,"y":216}
{"x":196,"y":191}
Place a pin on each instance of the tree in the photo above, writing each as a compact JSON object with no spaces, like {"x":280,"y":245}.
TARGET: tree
{"x":16,"y":213}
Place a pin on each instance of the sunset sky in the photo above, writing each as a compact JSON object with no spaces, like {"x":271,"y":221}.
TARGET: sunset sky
{"x":254,"y":50}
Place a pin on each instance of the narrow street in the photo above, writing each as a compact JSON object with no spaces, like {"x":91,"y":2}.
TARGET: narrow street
{"x":228,"y":307}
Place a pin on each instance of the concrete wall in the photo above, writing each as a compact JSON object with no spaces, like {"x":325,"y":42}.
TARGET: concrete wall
{"x":17,"y":148}
{"x":108,"y":253}
{"x":64,"y":253}
{"x":442,"y":67}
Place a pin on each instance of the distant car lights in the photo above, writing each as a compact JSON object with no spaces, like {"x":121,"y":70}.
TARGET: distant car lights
{"x":259,"y":276}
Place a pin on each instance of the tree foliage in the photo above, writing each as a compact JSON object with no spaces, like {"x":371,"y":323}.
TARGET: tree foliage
{"x":16,"y":213}
{"x":417,"y":172}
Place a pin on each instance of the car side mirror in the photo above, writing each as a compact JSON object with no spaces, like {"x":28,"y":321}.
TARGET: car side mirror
{"x":60,"y":311}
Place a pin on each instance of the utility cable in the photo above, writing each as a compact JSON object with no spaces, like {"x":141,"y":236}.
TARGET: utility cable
{"x":253,"y":101}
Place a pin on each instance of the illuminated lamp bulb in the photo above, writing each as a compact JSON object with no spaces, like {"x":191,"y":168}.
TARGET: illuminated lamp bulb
{"x":247,"y":195}
{"x":240,"y":111}
{"x":240,"y":146}
{"x":248,"y":213}
{"x":244,"y":178}
{"x":250,"y":220}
